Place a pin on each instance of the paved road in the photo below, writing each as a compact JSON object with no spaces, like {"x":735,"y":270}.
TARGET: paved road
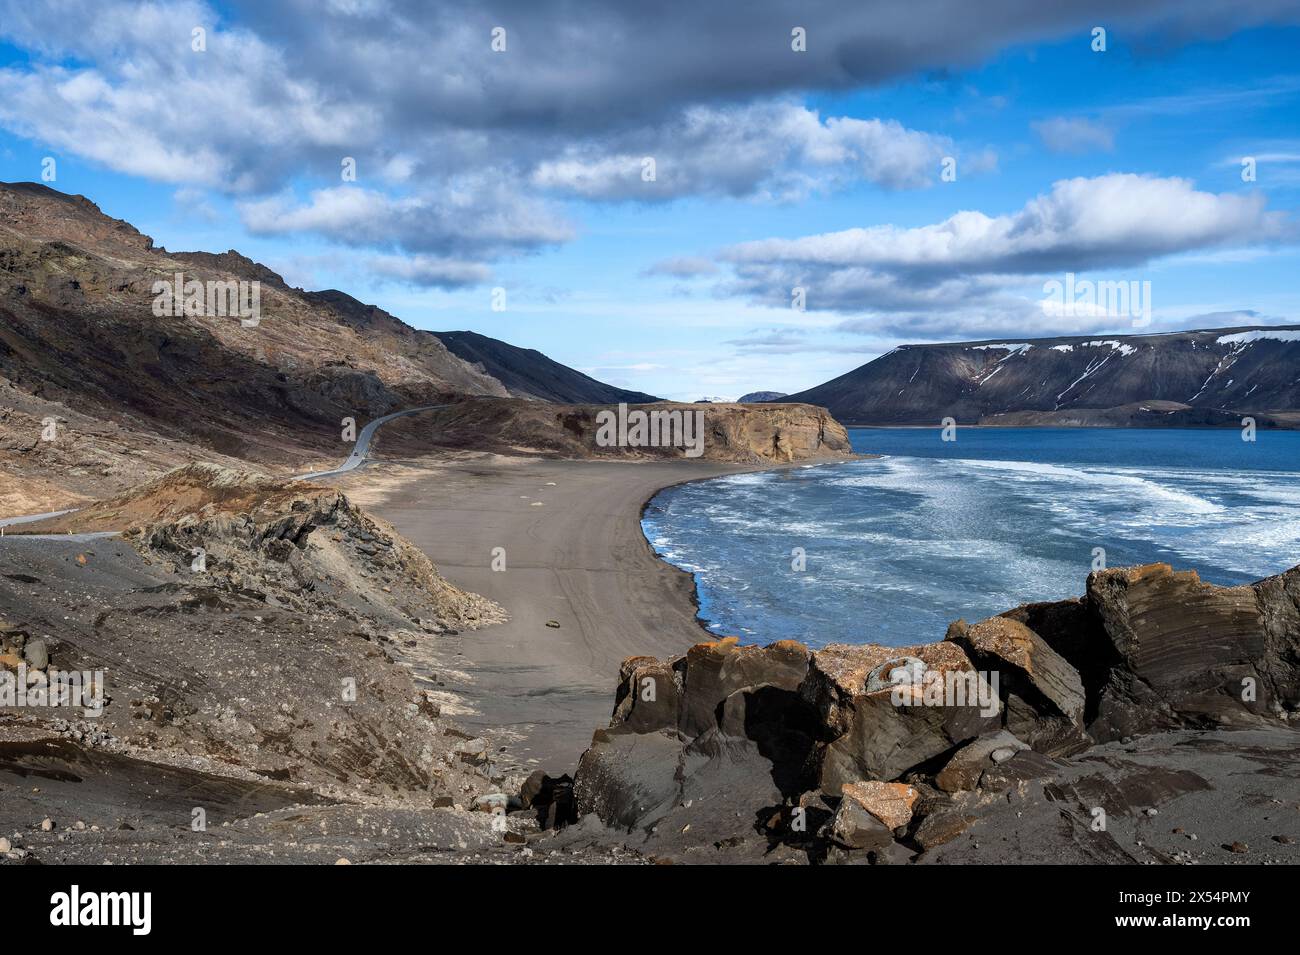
{"x":29,"y":518}
{"x":358,"y":456}
{"x":354,"y":460}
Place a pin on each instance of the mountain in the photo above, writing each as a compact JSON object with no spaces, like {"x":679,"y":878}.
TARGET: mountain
{"x":1192,"y":378}
{"x":103,"y":384}
{"x":527,"y":373}
{"x":761,"y":396}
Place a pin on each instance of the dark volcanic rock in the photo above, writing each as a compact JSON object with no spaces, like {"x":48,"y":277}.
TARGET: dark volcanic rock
{"x":711,"y":672}
{"x":853,"y":754}
{"x":882,"y":733}
{"x":649,"y":696}
{"x":551,"y":799}
{"x":1191,"y":653}
{"x":624,"y":776}
{"x":1042,"y":692}
{"x":855,"y":828}
{"x":970,"y":762}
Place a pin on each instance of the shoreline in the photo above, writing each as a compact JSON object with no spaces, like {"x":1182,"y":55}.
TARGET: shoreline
{"x":695,"y":584}
{"x":576,"y":555}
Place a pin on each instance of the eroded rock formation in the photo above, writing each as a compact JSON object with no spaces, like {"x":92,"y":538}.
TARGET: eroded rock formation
{"x":750,"y":434}
{"x":852,"y":753}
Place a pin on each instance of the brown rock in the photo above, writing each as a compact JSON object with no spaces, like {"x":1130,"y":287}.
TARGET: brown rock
{"x":713,"y":671}
{"x":853,"y":827}
{"x":941,"y":827}
{"x":532,"y":787}
{"x":1000,"y":640}
{"x":1020,"y":768}
{"x":891,"y":803}
{"x":963,"y":771}
{"x":881,"y":734}
{"x":649,"y":696}
{"x":1187,"y":648}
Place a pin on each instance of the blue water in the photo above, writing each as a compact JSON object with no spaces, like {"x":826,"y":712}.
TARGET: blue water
{"x":898,"y":547}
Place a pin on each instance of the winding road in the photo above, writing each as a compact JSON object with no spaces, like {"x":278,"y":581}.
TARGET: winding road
{"x":355,"y":460}
{"x":358,"y":456}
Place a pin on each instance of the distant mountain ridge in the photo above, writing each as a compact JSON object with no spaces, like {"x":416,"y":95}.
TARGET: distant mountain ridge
{"x":527,"y":373}
{"x":1189,"y":378}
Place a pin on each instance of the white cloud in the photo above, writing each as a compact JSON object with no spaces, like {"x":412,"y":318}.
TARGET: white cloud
{"x":429,"y":271}
{"x":778,"y":149}
{"x":1117,"y":218}
{"x":684,"y":267}
{"x":971,"y":271}
{"x":586,"y":91}
{"x":472,"y":215}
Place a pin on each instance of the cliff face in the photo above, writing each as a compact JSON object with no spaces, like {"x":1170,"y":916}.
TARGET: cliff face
{"x":1186,"y":378}
{"x":765,"y":433}
{"x":872,"y":753}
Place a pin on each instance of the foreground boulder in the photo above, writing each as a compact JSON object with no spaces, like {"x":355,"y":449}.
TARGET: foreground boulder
{"x":890,"y":803}
{"x":1043,"y":692}
{"x":865,"y":752}
{"x":969,"y":763}
{"x":884,"y":711}
{"x":1191,"y":653}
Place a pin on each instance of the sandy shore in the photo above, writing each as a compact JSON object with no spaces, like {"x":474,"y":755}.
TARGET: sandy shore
{"x":575,"y":554}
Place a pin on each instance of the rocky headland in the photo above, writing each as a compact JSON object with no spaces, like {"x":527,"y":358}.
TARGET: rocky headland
{"x":736,"y":433}
{"x":1153,"y":719}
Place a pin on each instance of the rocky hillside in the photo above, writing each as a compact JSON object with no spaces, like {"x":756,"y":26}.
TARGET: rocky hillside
{"x":755,"y":434}
{"x":99,"y":392}
{"x":1193,"y":378}
{"x":304,"y":545}
{"x":247,"y":625}
{"x":527,"y":373}
{"x":1112,"y":728}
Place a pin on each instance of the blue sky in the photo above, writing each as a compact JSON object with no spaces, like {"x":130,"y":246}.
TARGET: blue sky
{"x":521,"y":169}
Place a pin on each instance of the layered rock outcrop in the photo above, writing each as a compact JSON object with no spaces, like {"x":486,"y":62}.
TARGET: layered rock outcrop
{"x":264,"y":628}
{"x":296,"y":545}
{"x":748,"y":433}
{"x":886,"y":753}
